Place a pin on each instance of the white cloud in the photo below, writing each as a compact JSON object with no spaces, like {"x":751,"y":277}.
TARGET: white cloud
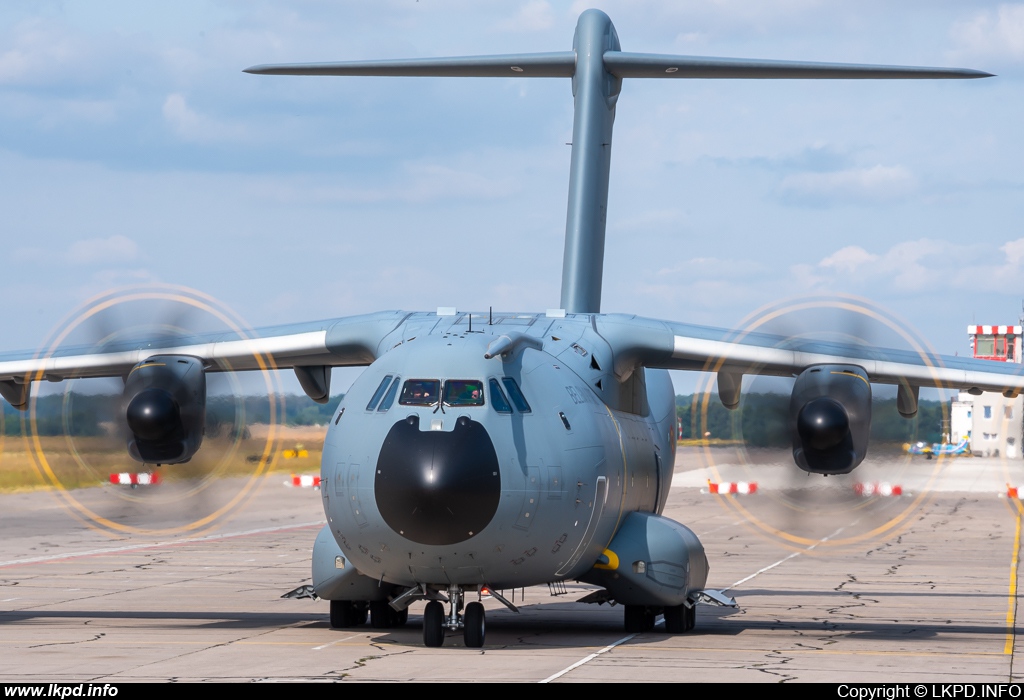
{"x":114,"y":249}
{"x":908,"y":266}
{"x":1014,"y":251}
{"x":879,"y":183}
{"x":1006,"y":275}
{"x":996,"y":34}
{"x":192,"y":126}
{"x":38,"y":52}
{"x":848,"y":259}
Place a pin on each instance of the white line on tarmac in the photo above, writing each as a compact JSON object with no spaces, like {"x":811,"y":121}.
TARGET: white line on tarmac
{"x":587,"y":658}
{"x":722,"y":527}
{"x":336,"y":641}
{"x":786,"y":558}
{"x":153,"y":545}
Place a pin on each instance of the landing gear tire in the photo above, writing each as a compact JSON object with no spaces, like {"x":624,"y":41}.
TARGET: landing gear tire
{"x":382,"y":615}
{"x":474,"y":629}
{"x":433,"y":624}
{"x":362,"y":609}
{"x":675,"y":619}
{"x":401,"y":618}
{"x":346,"y":613}
{"x":638,"y":618}
{"x":691,"y":618}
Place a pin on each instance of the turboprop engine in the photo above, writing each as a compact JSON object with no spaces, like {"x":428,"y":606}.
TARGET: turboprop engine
{"x":830,"y":418}
{"x":165,"y":408}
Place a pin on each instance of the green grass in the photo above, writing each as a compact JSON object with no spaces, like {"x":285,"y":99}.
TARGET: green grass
{"x":89,"y":461}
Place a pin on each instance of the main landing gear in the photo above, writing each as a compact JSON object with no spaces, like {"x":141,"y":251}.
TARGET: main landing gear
{"x":353,"y":613}
{"x":472,"y":622}
{"x":678,"y":618}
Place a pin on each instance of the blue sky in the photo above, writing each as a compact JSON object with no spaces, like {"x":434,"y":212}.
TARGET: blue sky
{"x":134,"y":150}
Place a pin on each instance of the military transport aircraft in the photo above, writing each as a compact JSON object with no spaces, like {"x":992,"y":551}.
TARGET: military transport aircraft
{"x":480,"y":452}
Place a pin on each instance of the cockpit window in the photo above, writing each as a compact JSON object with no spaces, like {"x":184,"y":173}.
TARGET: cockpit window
{"x":380,"y":392}
{"x":498,"y":400}
{"x":516,"y":395}
{"x":463,"y":392}
{"x":420,"y":392}
{"x":389,"y":398}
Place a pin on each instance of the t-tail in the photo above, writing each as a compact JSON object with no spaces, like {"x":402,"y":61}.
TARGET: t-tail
{"x":597,"y":67}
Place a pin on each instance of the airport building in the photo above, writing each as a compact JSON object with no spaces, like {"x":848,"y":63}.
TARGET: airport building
{"x":993,"y":424}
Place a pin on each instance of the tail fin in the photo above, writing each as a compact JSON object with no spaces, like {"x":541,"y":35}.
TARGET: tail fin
{"x":597,"y":67}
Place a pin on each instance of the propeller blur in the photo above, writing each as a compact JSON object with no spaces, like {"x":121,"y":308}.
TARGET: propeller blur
{"x":485,"y":451}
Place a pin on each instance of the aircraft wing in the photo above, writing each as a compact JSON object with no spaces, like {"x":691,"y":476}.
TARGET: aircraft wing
{"x":349,"y":341}
{"x":644,"y":342}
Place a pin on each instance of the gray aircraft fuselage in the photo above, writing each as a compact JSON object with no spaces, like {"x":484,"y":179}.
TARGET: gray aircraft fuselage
{"x":491,"y":494}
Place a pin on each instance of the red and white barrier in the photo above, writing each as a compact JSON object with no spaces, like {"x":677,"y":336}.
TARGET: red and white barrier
{"x":882,"y":488}
{"x":143,"y":479}
{"x":739,"y":487}
{"x":1014,"y":491}
{"x":304,"y":480}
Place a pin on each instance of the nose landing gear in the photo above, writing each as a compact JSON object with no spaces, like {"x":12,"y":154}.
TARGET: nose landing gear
{"x":472,"y":622}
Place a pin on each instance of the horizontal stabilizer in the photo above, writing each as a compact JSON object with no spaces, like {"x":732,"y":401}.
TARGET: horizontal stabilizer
{"x":558,"y":64}
{"x":651,"y":65}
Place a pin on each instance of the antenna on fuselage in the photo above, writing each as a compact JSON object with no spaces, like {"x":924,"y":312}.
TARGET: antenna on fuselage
{"x":597,"y":67}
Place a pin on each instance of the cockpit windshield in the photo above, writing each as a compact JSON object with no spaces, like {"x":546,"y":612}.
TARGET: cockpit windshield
{"x":463,"y":392}
{"x":420,"y":392}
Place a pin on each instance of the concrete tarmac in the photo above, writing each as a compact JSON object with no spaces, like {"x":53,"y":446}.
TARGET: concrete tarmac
{"x":832,"y":586}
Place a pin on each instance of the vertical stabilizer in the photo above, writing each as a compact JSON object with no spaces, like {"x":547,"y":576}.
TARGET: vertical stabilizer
{"x":597,"y":67}
{"x":595,"y":92}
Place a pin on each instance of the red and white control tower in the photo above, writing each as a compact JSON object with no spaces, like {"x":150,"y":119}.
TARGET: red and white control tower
{"x":992,"y":422}
{"x":999,"y":343}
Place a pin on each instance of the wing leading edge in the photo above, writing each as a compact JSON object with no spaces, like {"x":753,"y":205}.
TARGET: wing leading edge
{"x":644,"y":342}
{"x":352,"y":341}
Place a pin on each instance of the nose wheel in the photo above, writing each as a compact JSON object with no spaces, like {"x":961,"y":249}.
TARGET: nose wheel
{"x":474,"y":627}
{"x":433,"y":624}
{"x":472,"y":622}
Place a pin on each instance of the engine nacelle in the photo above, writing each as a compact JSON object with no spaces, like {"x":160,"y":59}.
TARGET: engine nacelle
{"x":830,"y":418}
{"x":165,"y":408}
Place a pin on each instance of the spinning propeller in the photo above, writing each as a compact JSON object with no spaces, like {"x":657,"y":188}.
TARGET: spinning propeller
{"x":821,"y":425}
{"x":159,"y":410}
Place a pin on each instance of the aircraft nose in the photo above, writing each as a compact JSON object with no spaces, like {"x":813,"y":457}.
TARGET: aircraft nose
{"x":436,"y":487}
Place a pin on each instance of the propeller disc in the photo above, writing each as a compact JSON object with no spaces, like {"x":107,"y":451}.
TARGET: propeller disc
{"x":792,"y":507}
{"x":77,"y":430}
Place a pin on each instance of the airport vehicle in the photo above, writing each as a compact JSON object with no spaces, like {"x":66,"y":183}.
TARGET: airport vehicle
{"x":489,"y":450}
{"x":940,"y":448}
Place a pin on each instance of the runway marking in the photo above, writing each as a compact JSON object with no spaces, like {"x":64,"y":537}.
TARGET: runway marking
{"x":336,"y":641}
{"x":154,"y":545}
{"x":788,"y":557}
{"x":648,"y":649}
{"x":722,"y":527}
{"x":1011,"y":603}
{"x":586,"y":659}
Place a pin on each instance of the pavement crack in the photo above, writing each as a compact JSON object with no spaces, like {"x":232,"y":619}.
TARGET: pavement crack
{"x":94,"y":638}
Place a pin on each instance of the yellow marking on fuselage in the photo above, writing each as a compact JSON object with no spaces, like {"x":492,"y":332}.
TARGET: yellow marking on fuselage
{"x":613,"y":561}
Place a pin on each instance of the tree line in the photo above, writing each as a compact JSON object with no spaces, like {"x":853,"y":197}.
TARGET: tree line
{"x":83,"y":415}
{"x":761,"y":420}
